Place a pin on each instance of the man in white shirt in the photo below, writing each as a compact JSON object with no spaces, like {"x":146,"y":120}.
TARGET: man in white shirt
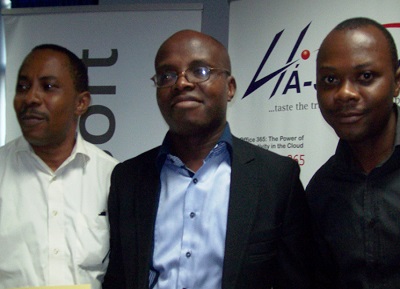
{"x":53,"y":184}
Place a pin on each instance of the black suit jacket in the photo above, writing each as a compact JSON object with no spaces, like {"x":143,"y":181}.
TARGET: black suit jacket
{"x":268,"y":231}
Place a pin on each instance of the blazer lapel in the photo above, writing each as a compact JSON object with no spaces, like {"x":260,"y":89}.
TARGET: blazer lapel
{"x":146,"y":208}
{"x":244,"y":194}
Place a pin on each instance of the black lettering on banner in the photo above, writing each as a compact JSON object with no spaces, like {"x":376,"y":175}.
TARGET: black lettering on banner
{"x":103,"y":90}
{"x":98,"y":139}
{"x":99,"y":61}
{"x":96,"y":62}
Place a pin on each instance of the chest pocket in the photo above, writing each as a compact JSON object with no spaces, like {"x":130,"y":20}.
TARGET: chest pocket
{"x":263,"y":246}
{"x":260,"y":269}
{"x":93,"y":243}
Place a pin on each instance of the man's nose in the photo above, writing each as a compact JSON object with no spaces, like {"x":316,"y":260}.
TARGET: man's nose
{"x":347,"y":91}
{"x":32,"y":96}
{"x":182,"y":82}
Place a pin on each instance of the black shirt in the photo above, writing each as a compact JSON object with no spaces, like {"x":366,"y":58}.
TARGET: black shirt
{"x":357,"y":217}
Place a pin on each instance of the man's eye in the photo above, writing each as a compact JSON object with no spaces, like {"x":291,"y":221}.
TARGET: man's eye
{"x":49,"y":86}
{"x":200,"y":71}
{"x":366,"y":76}
{"x":166,"y":77}
{"x":330,"y":79}
{"x":22,"y":87}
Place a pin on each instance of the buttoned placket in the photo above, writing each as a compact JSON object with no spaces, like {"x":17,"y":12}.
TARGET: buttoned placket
{"x":193,"y":202}
{"x":56,"y":230}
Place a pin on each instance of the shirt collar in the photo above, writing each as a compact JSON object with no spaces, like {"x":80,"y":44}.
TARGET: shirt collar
{"x":79,"y":150}
{"x":165,"y":148}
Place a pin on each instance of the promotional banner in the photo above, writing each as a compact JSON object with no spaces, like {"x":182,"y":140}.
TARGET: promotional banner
{"x":118,"y":44}
{"x":273,"y":47}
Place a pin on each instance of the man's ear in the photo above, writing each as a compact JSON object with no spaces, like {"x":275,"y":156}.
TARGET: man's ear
{"x":231,"y":87}
{"x":397,"y":81}
{"x":82,"y":102}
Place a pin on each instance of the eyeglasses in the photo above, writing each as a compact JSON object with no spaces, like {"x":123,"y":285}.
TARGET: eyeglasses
{"x":192,"y":74}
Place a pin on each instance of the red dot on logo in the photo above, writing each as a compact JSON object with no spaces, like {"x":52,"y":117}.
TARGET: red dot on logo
{"x":305,"y":54}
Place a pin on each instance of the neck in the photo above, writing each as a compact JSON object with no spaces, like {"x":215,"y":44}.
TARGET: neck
{"x":54,"y":155}
{"x":369,"y":154}
{"x":193,"y":149}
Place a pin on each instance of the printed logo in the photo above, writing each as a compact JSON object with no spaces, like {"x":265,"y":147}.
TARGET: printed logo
{"x":294,"y":80}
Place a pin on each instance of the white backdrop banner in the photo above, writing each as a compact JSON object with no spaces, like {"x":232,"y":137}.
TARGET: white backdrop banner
{"x":273,"y":46}
{"x":119,"y":46}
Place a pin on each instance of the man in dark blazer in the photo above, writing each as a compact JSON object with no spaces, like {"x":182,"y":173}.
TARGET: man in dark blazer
{"x":205,"y":210}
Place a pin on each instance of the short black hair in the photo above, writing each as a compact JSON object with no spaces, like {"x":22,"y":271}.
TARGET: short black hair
{"x":357,"y":22}
{"x":78,"y":69}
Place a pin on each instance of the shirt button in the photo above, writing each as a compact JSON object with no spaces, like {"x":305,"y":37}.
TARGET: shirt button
{"x":371,"y":223}
{"x":55,"y":251}
{"x":192,"y":215}
{"x":195,"y":181}
{"x":188,"y":254}
{"x":55,"y":213}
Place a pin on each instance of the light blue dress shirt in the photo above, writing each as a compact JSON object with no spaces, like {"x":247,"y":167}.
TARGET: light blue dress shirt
{"x":190,"y":228}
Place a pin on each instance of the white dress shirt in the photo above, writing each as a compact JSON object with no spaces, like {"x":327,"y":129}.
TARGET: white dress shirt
{"x":190,"y":229}
{"x":53,"y":225}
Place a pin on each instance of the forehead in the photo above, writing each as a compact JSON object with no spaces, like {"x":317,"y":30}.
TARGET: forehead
{"x":184,"y":49}
{"x":45,"y":62}
{"x":353,"y":46}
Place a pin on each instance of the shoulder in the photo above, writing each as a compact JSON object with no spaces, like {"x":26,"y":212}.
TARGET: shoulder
{"x":325,"y":171}
{"x":6,"y":147}
{"x":241,"y":147}
{"x":271,"y":170}
{"x":12,"y":146}
{"x":144,"y":158}
{"x":10,"y":158}
{"x":321,"y":179}
{"x":144,"y":161}
{"x":98,"y":155}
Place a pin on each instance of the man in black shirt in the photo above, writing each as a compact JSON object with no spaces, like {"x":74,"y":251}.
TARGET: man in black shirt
{"x":355,"y":195}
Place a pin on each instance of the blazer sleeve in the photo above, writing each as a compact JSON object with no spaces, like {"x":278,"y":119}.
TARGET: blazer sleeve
{"x":132,"y":207}
{"x":295,"y":255}
{"x":269,"y":228}
{"x":114,"y":278}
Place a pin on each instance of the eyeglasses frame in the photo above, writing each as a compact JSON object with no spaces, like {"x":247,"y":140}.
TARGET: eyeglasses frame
{"x":183,"y":73}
